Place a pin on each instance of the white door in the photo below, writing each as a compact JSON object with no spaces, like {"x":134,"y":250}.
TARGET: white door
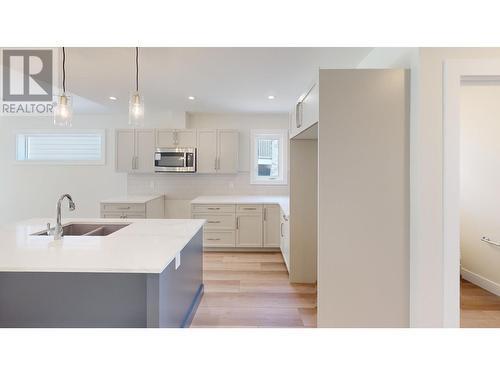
{"x":228,"y":151}
{"x":185,"y":138}
{"x":310,"y":107}
{"x":272,"y":225}
{"x":144,"y":150}
{"x":249,"y":230}
{"x":125,"y":150}
{"x":165,"y":138}
{"x":207,"y":151}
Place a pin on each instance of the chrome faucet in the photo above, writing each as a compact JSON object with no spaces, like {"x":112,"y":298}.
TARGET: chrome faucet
{"x":58,"y":230}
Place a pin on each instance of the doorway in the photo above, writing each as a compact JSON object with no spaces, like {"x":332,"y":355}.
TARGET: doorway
{"x":457,"y":73}
{"x":479,"y":204}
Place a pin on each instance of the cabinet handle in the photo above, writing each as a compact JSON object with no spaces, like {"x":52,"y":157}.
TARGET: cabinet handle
{"x":238,"y":222}
{"x":218,"y":162}
{"x":281,"y":229}
{"x":265,"y":213}
{"x":124,"y":208}
{"x":213,"y":239}
{"x":213,"y":208}
{"x":213,"y":222}
{"x":298,"y":115}
{"x":215,"y":166}
{"x":249,"y":208}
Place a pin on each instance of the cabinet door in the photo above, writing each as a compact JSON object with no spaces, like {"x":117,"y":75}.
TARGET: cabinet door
{"x":310,"y":107}
{"x":249,"y":230}
{"x":272,"y":225}
{"x":285,"y":240}
{"x":165,"y":138}
{"x":125,"y":151}
{"x":144,"y":150}
{"x":228,"y":151}
{"x":207,"y":151}
{"x":185,"y":138}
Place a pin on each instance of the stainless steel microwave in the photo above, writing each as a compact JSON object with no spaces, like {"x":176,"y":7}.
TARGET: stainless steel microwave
{"x":176,"y":160}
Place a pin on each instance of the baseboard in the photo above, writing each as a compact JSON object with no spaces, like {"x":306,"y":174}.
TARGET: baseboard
{"x":480,"y":281}
{"x":243,"y":249}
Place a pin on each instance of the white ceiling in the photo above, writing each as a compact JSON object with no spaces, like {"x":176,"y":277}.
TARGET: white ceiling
{"x":221,"y":79}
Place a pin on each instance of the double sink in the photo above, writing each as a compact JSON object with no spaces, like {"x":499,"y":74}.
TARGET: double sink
{"x":85,"y":229}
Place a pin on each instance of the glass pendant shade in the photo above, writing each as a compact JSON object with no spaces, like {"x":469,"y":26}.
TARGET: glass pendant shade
{"x":63,"y":111}
{"x":136,"y":110}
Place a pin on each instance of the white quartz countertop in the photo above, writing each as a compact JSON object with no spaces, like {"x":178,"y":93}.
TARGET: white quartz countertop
{"x":132,"y":199}
{"x":282,"y":200}
{"x":144,"y":246}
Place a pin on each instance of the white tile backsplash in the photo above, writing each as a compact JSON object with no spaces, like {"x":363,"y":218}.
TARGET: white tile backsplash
{"x":187,"y":187}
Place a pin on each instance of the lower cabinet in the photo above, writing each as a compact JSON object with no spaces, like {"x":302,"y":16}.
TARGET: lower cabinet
{"x":249,"y":230}
{"x":150,"y":209}
{"x":285,"y":238}
{"x":239,"y":225}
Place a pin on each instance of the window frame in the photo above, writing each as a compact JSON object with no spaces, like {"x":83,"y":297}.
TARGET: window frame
{"x":28,"y":132}
{"x":282,"y":135}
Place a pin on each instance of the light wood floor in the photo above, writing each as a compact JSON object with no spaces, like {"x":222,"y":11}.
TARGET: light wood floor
{"x":252,"y":290}
{"x":478,"y":307}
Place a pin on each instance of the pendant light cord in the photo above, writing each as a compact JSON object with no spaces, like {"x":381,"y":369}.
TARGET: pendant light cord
{"x":64,"y":69}
{"x":137,"y":69}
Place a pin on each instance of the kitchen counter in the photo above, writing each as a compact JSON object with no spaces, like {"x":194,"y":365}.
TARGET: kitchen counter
{"x":282,"y":201}
{"x":147,"y":274}
{"x":141,"y":199}
{"x":145,"y":246}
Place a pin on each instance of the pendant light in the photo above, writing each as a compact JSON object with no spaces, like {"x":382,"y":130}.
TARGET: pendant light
{"x":136,"y":102}
{"x":63,"y":111}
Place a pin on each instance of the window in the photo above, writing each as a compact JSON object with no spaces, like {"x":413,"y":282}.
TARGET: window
{"x":61,"y":147}
{"x":268,"y":157}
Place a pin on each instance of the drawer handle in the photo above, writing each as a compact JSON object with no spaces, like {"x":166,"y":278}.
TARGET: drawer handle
{"x":213,"y":208}
{"x":124,"y":208}
{"x":213,"y":221}
{"x":213,"y":239}
{"x":249,"y":208}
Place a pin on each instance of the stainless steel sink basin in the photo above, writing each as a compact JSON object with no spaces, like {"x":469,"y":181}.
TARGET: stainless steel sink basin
{"x":84,"y":229}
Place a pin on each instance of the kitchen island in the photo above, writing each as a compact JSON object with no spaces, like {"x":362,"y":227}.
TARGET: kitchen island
{"x":148,"y":273}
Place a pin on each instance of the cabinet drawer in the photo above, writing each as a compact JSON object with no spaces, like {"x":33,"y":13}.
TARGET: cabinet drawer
{"x":213,"y":208}
{"x":249,"y":208}
{"x":123,"y":215}
{"x":217,"y":221}
{"x":219,"y":239}
{"x":123,"y":207}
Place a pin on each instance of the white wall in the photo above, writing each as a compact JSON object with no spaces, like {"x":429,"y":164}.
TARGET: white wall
{"x":426,"y":255}
{"x":180,"y":189}
{"x":32,"y":190}
{"x":480,"y":181}
{"x":427,"y":189}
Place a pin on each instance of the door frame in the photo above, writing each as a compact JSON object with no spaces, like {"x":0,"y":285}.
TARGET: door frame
{"x":454,"y":73}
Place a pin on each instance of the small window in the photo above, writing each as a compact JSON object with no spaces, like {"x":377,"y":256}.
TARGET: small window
{"x":58,"y":147}
{"x":268,"y":156}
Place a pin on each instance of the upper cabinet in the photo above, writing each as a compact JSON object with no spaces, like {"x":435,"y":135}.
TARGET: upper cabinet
{"x":305,"y":112}
{"x":218,"y":151}
{"x":135,"y":150}
{"x":175,"y":138}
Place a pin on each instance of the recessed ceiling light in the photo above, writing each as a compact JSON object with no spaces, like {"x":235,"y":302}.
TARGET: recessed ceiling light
{"x":113,"y":98}
{"x":191,"y":98}
{"x":271,"y":97}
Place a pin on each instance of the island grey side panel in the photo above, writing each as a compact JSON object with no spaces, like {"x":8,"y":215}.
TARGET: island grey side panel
{"x":51,"y":299}
{"x":175,"y":293}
